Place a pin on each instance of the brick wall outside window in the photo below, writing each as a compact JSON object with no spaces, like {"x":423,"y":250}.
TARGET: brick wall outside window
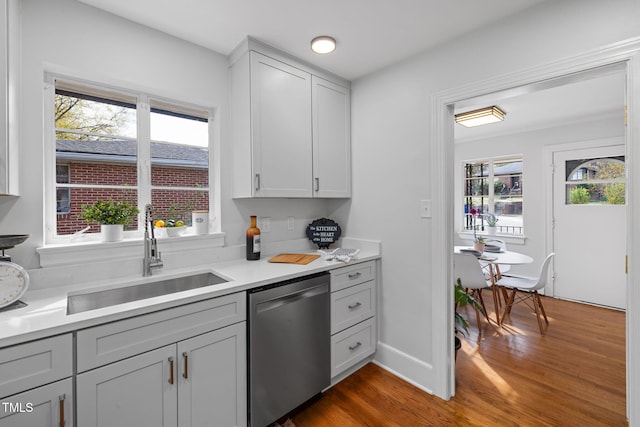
{"x":183,"y":201}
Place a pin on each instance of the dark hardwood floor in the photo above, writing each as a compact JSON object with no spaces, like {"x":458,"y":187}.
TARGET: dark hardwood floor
{"x":574,"y":375}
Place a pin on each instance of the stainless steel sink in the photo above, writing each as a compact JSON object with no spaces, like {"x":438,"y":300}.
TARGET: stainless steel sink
{"x":108,"y":297}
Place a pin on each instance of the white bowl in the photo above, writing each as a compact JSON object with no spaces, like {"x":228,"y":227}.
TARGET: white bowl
{"x":175,"y":231}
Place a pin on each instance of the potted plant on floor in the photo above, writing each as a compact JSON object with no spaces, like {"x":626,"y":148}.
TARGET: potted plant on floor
{"x":462,"y":299}
{"x":112,"y":215}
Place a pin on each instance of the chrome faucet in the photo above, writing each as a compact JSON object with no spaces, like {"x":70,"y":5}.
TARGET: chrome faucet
{"x":152,"y":258}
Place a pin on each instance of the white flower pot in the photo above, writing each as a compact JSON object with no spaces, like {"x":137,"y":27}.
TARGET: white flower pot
{"x":491,"y":231}
{"x":112,"y":232}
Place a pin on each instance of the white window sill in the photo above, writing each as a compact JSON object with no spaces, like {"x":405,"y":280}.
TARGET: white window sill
{"x":85,"y":252}
{"x":510,"y":239}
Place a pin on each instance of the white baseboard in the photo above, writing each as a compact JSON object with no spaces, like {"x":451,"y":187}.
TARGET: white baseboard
{"x":402,"y":365}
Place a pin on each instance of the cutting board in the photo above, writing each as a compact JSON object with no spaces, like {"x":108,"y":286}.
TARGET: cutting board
{"x":294,"y":258}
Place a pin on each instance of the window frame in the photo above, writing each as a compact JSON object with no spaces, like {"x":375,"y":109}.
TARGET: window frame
{"x":490,"y":161}
{"x":143,"y":160}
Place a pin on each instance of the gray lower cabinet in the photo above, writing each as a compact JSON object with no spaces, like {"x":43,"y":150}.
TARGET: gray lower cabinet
{"x":36,"y":384}
{"x":196,"y":381}
{"x":353,"y":317}
{"x":49,"y":405}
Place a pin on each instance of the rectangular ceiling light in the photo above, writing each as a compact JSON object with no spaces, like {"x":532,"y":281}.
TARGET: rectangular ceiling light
{"x":480,"y":117}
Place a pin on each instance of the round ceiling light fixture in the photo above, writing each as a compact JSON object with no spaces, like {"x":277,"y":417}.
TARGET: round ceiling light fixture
{"x":323,"y":44}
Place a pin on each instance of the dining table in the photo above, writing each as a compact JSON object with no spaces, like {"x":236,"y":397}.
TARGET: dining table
{"x":492,"y":260}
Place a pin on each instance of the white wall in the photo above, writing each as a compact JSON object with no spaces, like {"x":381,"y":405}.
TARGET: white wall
{"x":76,"y":40}
{"x":391,"y":150}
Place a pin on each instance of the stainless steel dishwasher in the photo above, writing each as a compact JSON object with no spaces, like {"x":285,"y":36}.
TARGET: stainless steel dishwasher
{"x":289,"y":346}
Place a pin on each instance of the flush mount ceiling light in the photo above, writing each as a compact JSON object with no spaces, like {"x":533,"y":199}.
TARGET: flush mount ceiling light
{"x":480,"y":117}
{"x":323,"y":44}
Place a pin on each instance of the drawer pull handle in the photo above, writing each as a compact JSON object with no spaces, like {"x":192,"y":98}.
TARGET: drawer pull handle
{"x":355,"y":275}
{"x":356,"y":345}
{"x":185,"y":374}
{"x":62,"y":398}
{"x":356,"y":305}
{"x":171,"y":371}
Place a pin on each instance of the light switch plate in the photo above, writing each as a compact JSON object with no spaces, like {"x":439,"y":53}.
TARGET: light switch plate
{"x":425,"y":208}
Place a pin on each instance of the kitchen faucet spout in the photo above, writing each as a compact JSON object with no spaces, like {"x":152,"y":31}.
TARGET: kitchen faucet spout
{"x":152,"y":258}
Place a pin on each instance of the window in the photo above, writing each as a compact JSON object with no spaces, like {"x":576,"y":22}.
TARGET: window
{"x":595,"y":181}
{"x":116,"y":145}
{"x":495,"y":187}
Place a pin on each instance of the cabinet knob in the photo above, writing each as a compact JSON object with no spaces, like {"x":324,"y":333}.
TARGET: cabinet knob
{"x":317,"y":184}
{"x":356,"y":305}
{"x":356,"y":345}
{"x":257,"y":182}
{"x":354,"y":275}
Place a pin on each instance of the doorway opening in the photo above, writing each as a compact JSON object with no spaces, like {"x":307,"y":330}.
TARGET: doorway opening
{"x":620,"y":57}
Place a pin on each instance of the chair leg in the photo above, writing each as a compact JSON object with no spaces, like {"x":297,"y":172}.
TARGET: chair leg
{"x":478,"y":294}
{"x":537,"y":309}
{"x":539,"y":302}
{"x":509,"y":304}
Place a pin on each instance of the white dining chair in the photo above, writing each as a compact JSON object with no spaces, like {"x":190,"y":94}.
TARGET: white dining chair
{"x":467,"y":268}
{"x":528,"y":288}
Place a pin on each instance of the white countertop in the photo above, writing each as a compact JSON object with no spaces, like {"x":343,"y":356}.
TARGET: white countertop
{"x":46,"y":311}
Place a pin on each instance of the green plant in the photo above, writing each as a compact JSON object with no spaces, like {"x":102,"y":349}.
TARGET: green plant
{"x":463,"y":299}
{"x":110,"y":212}
{"x":491,"y":219}
{"x":579,"y":196}
{"x":615,"y":193}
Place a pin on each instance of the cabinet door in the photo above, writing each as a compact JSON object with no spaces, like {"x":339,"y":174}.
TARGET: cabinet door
{"x":212,"y":378}
{"x":139,"y":391}
{"x":49,"y":405}
{"x":281,"y":128}
{"x":331,"y":139}
{"x":9,"y":86}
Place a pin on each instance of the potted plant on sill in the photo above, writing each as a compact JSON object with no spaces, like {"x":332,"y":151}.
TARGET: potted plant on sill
{"x":478,"y":241}
{"x":462,"y":299}
{"x":112,"y":215}
{"x":492,"y":220}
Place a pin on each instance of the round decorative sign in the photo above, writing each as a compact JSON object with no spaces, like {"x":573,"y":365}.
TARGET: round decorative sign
{"x":323,"y":232}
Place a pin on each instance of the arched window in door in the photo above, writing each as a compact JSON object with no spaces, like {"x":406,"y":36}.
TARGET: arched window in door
{"x":595,"y":181}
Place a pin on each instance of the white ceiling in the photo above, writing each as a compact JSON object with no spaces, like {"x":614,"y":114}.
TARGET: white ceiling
{"x":371,"y":34}
{"x":577,"y":100}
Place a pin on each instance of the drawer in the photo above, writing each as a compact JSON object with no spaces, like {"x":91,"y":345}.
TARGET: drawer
{"x":118,"y":340}
{"x":29,"y":365}
{"x":352,"y":345}
{"x":352,"y":275}
{"x":352,"y":305}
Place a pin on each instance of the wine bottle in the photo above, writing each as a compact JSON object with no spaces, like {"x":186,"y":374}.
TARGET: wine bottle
{"x":253,"y":241}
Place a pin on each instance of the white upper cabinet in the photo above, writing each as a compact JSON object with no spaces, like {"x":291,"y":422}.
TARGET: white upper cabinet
{"x":290,"y":126}
{"x":281,"y":128}
{"x":331,"y":139}
{"x":9,"y":80}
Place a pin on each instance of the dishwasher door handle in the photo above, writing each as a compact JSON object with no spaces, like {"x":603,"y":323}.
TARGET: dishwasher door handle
{"x":291,"y":298}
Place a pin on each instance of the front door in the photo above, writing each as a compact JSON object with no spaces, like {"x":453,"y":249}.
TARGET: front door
{"x":589,"y":231}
